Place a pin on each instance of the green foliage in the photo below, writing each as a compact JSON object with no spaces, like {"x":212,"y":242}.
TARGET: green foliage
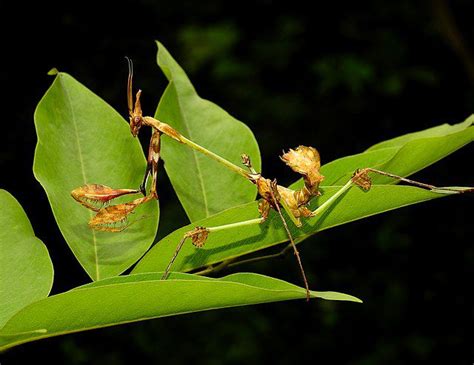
{"x":223,"y":245}
{"x":138,"y":297}
{"x":26,"y":270}
{"x":345,"y":71}
{"x":438,"y":131}
{"x":82,"y":140}
{"x":403,"y":155}
{"x":212,"y":187}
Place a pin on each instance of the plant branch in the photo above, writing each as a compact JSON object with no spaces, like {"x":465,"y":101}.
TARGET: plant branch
{"x":233,"y":262}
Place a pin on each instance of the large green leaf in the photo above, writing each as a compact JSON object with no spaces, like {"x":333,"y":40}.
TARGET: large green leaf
{"x":403,"y":159}
{"x":138,"y":297}
{"x":227,"y":244}
{"x":203,"y":186}
{"x":438,"y":131}
{"x":403,"y":155}
{"x":26,"y":271}
{"x":82,"y":140}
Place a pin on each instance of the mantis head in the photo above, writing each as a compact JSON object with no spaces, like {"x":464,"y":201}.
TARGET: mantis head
{"x":134,"y":111}
{"x":136,"y":116}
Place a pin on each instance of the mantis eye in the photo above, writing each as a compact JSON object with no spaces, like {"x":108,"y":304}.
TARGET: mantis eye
{"x":135,"y":124}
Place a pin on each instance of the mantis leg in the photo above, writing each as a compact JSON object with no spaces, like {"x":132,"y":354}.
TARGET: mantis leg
{"x":152,"y":163}
{"x":174,"y":134}
{"x":113,"y":218}
{"x":332,"y":199}
{"x":361,"y":178}
{"x":290,"y":237}
{"x":199,"y":236}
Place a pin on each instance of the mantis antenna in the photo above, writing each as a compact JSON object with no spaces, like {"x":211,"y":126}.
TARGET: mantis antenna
{"x":129,"y":86}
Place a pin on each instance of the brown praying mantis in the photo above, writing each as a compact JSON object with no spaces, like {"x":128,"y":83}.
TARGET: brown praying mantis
{"x":303,"y":160}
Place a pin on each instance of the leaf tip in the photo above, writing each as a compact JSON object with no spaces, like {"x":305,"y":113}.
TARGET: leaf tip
{"x":453,"y":190}
{"x":330,"y":295}
{"x":351,"y":298}
{"x":53,"y":72}
{"x":160,"y":46}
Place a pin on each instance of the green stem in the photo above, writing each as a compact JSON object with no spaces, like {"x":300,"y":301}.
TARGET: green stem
{"x":213,"y":269}
{"x":280,"y":254}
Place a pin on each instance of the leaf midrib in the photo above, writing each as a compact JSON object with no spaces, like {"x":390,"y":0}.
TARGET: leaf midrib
{"x":145,"y":318}
{"x":217,"y":282}
{"x":83,"y":172}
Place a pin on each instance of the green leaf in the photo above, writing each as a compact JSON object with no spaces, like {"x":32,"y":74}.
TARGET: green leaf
{"x":438,"y":131}
{"x":204,"y":187}
{"x":26,"y":271}
{"x":403,"y":155}
{"x":143,"y":297}
{"x":82,"y":140}
{"x":231,"y":243}
{"x":402,"y":159}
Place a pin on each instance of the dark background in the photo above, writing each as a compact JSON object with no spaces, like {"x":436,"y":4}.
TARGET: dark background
{"x":339,"y":77}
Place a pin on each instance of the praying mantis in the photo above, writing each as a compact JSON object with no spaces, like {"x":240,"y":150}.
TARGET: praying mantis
{"x":304,"y":160}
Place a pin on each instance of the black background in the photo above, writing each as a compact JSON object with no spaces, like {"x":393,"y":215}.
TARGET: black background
{"x":339,"y":77}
